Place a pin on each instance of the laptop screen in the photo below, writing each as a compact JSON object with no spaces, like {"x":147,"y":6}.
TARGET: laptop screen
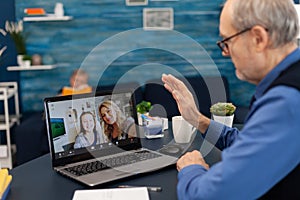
{"x":89,"y":125}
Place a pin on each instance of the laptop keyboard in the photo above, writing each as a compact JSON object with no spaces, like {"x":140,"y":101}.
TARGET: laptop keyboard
{"x":117,"y":161}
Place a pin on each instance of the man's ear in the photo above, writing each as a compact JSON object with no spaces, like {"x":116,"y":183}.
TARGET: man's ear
{"x":260,"y":38}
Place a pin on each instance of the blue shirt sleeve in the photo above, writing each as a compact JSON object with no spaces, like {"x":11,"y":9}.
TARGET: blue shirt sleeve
{"x":220,"y":135}
{"x":258,"y":157}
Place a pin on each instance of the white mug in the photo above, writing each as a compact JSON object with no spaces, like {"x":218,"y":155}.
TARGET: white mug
{"x":182,"y":130}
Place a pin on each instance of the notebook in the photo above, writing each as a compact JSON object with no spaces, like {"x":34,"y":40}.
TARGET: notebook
{"x":84,"y":145}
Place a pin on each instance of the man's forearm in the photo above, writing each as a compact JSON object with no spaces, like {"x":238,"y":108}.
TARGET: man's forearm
{"x":203,"y":123}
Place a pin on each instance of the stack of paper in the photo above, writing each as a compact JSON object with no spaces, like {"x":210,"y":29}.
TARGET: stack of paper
{"x":5,"y":180}
{"x":138,"y":193}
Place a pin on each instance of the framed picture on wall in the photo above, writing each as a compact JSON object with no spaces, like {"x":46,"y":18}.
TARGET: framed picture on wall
{"x":158,"y":18}
{"x":136,"y":2}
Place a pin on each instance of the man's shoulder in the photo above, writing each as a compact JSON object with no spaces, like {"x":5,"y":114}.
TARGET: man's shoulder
{"x":283,"y":96}
{"x":288,"y":77}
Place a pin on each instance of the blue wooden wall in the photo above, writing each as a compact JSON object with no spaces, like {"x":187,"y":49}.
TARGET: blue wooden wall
{"x":105,"y":38}
{"x":7,"y":12}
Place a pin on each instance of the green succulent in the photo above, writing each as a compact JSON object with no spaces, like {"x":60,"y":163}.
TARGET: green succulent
{"x":143,"y":107}
{"x":27,"y":57}
{"x":222,"y":109}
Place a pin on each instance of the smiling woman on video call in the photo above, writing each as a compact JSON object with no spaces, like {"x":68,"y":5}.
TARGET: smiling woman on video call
{"x":88,"y":132}
{"x":115,"y":124}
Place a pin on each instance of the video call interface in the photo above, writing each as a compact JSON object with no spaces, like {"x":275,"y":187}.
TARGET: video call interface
{"x":91,"y":124}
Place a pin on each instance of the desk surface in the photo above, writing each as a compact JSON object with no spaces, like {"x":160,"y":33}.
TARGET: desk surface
{"x":43,"y":183}
{"x":37,"y":180}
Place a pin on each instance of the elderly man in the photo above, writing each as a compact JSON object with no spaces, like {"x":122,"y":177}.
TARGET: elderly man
{"x":262,"y":160}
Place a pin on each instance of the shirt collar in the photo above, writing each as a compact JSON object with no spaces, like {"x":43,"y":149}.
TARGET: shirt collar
{"x":274,"y":73}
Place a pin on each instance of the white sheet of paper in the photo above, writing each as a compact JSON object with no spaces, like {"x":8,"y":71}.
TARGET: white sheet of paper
{"x":137,"y":193}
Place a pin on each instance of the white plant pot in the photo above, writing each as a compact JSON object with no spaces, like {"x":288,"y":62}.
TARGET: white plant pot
{"x":226,"y":120}
{"x":20,"y":60}
{"x":26,"y":63}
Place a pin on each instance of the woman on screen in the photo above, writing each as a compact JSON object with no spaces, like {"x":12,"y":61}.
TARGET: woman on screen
{"x":116,"y":126}
{"x":88,"y":136}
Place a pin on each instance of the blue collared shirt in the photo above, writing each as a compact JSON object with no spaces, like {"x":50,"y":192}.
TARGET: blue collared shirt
{"x":259,"y":156}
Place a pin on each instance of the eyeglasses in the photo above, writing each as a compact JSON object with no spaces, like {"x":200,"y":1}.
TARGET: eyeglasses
{"x":224,"y":46}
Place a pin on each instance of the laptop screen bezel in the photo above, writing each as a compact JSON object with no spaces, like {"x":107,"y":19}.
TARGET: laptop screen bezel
{"x":88,"y":155}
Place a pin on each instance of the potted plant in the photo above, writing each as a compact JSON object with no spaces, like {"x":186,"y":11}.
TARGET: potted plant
{"x":26,"y":60}
{"x":15,"y":30}
{"x":223,"y":112}
{"x":143,"y":108}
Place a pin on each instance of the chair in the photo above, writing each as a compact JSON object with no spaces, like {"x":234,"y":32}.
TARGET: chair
{"x":206,"y":91}
{"x":135,"y":86}
{"x":31,"y":137}
{"x":7,"y":120}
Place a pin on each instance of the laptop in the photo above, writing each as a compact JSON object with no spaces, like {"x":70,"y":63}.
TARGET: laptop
{"x":105,"y":159}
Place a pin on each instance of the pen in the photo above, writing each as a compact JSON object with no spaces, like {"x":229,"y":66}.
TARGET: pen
{"x":151,"y":188}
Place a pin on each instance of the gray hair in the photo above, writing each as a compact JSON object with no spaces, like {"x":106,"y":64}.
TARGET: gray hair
{"x":279,"y":17}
